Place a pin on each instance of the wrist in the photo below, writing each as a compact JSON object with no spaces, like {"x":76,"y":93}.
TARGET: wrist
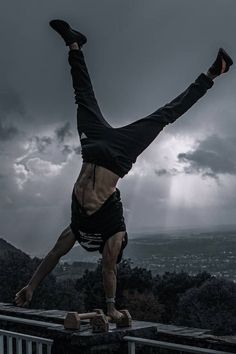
{"x":110,"y":300}
{"x":110,"y":307}
{"x":31,"y":286}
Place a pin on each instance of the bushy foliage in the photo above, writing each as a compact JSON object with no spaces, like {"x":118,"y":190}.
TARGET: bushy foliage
{"x":178,"y":298}
{"x":143,"y":306}
{"x":15,"y":274}
{"x":171,"y":286}
{"x":212,"y":305}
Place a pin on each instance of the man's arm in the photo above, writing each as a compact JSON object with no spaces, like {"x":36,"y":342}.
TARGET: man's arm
{"x":63,"y":245}
{"x":109,"y":271}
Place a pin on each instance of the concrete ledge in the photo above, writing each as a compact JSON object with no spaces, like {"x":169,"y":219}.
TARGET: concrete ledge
{"x":49,"y":324}
{"x":36,"y":322}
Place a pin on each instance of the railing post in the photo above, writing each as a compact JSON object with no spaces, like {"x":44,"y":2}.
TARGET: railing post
{"x":30,"y":341}
{"x":9,"y":345}
{"x":169,"y":345}
{"x":1,"y":344}
{"x":29,"y":347}
{"x":131,"y":347}
{"x":49,"y":347}
{"x":39,"y":348}
{"x":19,"y":345}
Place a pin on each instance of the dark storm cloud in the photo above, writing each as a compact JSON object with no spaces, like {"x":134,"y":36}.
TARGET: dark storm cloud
{"x":213,"y":156}
{"x":67,"y":149}
{"x":10,"y":101}
{"x":7,"y":132}
{"x":161,"y":172}
{"x":11,"y":107}
{"x":43,"y":142}
{"x":63,"y":132}
{"x":165,"y":172}
{"x":140,"y":55}
{"x":77,"y":150}
{"x":71,"y":148}
{"x":52,"y":145}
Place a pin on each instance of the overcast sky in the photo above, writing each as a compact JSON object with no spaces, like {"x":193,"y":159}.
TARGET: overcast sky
{"x":140,"y":55}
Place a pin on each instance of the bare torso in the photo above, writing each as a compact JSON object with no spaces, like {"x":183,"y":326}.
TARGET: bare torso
{"x":94,"y":185}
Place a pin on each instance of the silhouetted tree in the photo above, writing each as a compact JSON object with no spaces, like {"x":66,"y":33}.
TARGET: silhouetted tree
{"x":142,"y":306}
{"x":15,"y":272}
{"x":171,"y":286}
{"x":212,"y":306}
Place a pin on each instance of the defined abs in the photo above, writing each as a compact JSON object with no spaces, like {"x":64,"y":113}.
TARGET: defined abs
{"x":92,"y":188}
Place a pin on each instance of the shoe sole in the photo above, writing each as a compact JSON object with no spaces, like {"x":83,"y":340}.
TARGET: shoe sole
{"x":228,"y":60}
{"x":61,"y":26}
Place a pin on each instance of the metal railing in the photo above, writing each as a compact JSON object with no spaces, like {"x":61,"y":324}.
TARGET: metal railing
{"x":132,"y":341}
{"x":19,"y":343}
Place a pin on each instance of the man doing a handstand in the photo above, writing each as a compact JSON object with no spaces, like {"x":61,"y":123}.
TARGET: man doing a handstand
{"x":97,"y":220}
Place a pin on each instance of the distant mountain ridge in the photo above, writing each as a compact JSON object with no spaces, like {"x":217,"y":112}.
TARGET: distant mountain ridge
{"x":7,"y":249}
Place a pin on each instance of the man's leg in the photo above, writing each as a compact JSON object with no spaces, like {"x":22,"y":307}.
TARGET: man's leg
{"x":137,"y":136}
{"x":90,"y":120}
{"x":110,"y":255}
{"x":134,"y":138}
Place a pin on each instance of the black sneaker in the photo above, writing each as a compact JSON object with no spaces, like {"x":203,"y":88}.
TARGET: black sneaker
{"x":219,"y":67}
{"x":68,"y":34}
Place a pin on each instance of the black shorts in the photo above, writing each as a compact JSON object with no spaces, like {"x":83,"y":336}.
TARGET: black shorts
{"x":92,"y":231}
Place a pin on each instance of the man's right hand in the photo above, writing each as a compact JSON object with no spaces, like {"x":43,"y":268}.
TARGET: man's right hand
{"x":63,"y":245}
{"x":24,"y":296}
